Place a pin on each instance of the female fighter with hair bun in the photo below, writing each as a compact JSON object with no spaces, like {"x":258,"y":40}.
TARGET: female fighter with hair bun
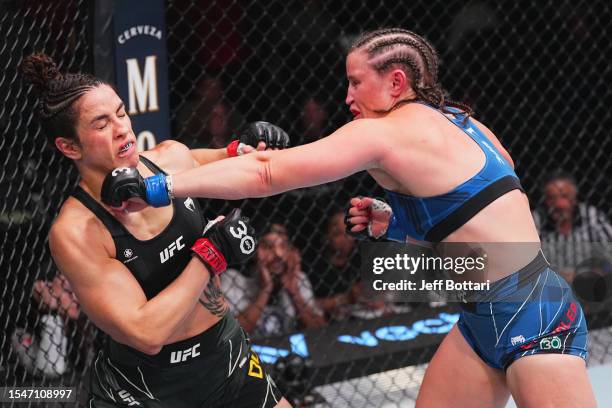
{"x":149,"y":279}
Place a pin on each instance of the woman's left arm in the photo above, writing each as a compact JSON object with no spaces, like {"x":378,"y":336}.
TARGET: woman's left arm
{"x":204,"y":156}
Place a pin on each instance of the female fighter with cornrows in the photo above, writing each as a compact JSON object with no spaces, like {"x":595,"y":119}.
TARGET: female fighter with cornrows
{"x":447,"y":179}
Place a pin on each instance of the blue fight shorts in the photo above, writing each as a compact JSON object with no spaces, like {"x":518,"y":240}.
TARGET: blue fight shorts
{"x":532,"y":311}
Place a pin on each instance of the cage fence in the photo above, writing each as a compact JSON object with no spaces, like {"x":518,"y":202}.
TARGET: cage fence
{"x":533,"y":72}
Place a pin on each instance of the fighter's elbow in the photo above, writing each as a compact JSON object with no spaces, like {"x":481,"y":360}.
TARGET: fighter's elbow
{"x":264,"y":175}
{"x":151,"y":350}
{"x":150,"y":346}
{"x":139,"y":337}
{"x":146,"y":348}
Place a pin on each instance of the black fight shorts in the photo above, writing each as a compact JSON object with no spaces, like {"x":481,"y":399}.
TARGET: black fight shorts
{"x":216,"y":368}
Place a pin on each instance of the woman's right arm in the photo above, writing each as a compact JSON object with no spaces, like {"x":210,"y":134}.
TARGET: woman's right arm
{"x":356,"y":146}
{"x":111,"y":296}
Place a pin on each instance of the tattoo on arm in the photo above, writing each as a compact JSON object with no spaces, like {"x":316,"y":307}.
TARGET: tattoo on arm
{"x":212,"y":299}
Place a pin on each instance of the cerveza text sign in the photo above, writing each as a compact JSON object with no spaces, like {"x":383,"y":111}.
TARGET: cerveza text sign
{"x":134,"y":31}
{"x":141,"y":68}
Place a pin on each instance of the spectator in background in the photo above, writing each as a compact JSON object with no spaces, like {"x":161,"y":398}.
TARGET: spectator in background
{"x":314,"y":120}
{"x":56,"y":296}
{"x":568,"y":227}
{"x":309,"y":31}
{"x":222,"y":122}
{"x":474,"y":16}
{"x":279,"y":298}
{"x":46,"y":354}
{"x":210,"y":35}
{"x":337,"y":270}
{"x":207,"y":119}
{"x":336,"y":274}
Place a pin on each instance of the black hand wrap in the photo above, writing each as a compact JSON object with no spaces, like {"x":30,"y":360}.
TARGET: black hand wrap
{"x":366,"y":234}
{"x":121,"y":184}
{"x":273,"y":136}
{"x":229,"y":241}
{"x":360,"y":235}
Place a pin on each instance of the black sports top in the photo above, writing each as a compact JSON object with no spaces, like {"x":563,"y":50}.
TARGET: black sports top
{"x":156,"y":262}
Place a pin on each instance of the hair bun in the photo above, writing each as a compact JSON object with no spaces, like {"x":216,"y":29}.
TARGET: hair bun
{"x":39,"y":70}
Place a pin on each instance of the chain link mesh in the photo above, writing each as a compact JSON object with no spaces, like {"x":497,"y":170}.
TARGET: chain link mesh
{"x":534,"y":72}
{"x":39,"y":346}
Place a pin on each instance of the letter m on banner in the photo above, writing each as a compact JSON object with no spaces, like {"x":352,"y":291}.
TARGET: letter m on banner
{"x":141,"y":67}
{"x":142,"y":85}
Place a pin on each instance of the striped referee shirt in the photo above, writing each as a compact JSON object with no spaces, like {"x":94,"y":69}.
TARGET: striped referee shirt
{"x":568,"y":251}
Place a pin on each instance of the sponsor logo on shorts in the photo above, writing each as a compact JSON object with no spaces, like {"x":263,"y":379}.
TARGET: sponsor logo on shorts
{"x":570,"y":316}
{"x":550,"y":343}
{"x":183,"y":355}
{"x":169,"y":252}
{"x":564,"y":324}
{"x":255,"y":369}
{"x":128,"y":399}
{"x":189,"y":204}
{"x":520,"y":339}
{"x":128,"y":254}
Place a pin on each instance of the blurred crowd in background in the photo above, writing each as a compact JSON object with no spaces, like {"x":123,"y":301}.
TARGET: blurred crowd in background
{"x":533,"y":73}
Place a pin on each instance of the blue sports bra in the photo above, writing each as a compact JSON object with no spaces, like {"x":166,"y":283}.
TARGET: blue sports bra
{"x":434,"y":218}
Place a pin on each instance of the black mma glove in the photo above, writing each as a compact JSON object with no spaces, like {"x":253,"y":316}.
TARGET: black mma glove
{"x":231,"y":240}
{"x":273,"y":136}
{"x":124,"y":183}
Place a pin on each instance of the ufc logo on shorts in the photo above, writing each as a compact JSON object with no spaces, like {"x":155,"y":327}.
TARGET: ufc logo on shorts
{"x":247,"y":243}
{"x":183,"y":355}
{"x":127,"y":398}
{"x":169,"y":252}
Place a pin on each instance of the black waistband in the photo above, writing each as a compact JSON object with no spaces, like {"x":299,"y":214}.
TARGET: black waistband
{"x":524,"y":276}
{"x":472,"y":207}
{"x":533,"y":268}
{"x":204,"y":344}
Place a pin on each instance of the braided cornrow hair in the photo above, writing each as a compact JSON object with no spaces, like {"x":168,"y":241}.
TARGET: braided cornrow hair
{"x":57,"y":94}
{"x":396,"y":47}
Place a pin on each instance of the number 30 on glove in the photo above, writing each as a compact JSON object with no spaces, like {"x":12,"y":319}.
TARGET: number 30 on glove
{"x":229,"y":241}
